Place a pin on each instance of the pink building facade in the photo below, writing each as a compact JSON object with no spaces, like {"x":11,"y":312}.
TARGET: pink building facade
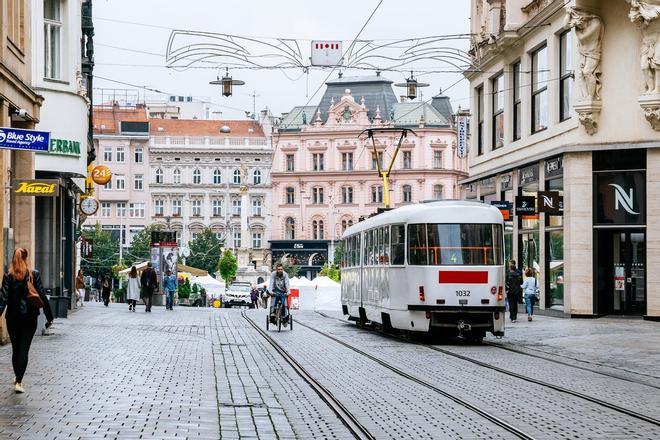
{"x":324,"y":174}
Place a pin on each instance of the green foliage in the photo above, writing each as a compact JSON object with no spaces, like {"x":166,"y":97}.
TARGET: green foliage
{"x":205,"y":251}
{"x":336,"y":258}
{"x":227,"y":266}
{"x":291,"y":269}
{"x":105,"y":256}
{"x":184,"y":289}
{"x":140,"y":250}
{"x":195,"y":293}
{"x":119,"y":293}
{"x":331,"y":271}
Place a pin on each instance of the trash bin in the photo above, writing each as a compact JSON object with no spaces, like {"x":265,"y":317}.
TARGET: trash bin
{"x":63,"y":308}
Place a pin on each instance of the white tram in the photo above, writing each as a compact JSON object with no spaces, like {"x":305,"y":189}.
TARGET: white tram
{"x":433,"y":267}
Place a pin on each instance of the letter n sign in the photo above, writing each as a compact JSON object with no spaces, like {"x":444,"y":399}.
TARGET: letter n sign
{"x":549,"y":202}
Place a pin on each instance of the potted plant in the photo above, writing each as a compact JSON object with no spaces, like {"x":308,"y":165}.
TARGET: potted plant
{"x":184,"y":292}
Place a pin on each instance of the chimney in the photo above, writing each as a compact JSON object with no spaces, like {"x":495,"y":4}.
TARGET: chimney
{"x":403,"y":98}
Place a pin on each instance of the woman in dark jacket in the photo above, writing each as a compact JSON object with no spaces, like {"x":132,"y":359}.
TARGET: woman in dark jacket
{"x":513,"y":291}
{"x":106,"y":288}
{"x":21,"y":315}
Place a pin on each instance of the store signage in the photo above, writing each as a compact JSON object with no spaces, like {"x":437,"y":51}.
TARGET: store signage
{"x":549,"y":202}
{"x":101,"y":175}
{"x":64,"y":147}
{"x":619,"y":278}
{"x":461,"y":149}
{"x":621,"y":198}
{"x":504,"y":207}
{"x":487,"y":186}
{"x":525,"y":205}
{"x":554,"y":167}
{"x":528,"y":175}
{"x":163,"y":239}
{"x":36,"y":188}
{"x":19,"y":139}
{"x":86,"y":248}
{"x":506,"y":182}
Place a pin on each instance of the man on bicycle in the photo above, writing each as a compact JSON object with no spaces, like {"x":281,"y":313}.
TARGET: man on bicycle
{"x":279,"y":288}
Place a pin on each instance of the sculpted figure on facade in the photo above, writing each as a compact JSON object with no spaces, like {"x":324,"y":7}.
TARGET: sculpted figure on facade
{"x":646,"y":14}
{"x":589,"y":30}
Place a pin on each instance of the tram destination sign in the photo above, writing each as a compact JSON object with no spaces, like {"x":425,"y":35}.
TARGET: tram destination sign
{"x":19,"y":139}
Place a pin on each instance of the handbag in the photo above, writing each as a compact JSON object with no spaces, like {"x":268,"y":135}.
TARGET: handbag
{"x":33,"y":297}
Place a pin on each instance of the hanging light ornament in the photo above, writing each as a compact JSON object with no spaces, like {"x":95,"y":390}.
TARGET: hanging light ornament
{"x":411,"y":86}
{"x":227,"y":83}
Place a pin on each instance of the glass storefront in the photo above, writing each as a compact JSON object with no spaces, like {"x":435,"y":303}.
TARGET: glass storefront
{"x":554,"y":238}
{"x":528,"y":225}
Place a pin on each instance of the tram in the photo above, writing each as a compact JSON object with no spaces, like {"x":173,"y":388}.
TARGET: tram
{"x":435,"y":267}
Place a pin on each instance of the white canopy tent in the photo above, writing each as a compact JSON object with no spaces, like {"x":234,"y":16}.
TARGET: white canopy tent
{"x":213,"y":287}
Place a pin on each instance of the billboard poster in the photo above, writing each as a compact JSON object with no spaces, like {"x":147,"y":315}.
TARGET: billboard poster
{"x":170,"y":256}
{"x":155,"y":259}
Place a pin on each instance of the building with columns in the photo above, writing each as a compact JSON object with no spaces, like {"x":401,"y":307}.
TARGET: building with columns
{"x":324,"y":173}
{"x":566,"y":111}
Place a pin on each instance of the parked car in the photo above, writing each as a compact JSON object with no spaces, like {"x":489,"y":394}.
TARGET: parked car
{"x":238,"y":294}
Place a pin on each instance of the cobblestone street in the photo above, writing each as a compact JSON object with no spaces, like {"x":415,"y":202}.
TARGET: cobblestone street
{"x":209,"y":374}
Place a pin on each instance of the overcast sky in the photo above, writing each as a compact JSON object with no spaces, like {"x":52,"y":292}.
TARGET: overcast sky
{"x":299,"y":19}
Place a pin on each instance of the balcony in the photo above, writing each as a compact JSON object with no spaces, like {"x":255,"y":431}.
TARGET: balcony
{"x":255,"y":143}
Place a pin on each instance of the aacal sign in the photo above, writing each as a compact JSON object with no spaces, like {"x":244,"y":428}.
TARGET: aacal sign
{"x":36,"y":188}
{"x":64,"y":147}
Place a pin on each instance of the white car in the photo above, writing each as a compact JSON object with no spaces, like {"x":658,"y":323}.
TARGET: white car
{"x":237,"y":295}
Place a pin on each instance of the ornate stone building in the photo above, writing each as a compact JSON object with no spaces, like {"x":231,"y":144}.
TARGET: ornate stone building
{"x":565,"y":99}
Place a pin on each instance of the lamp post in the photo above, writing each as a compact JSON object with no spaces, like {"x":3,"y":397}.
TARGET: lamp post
{"x":227,"y":83}
{"x":411,"y":86}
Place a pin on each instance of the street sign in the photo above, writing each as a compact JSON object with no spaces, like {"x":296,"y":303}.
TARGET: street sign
{"x":525,"y":205}
{"x":36,"y":188}
{"x":326,"y":53}
{"x":549,"y":202}
{"x":19,"y":139}
{"x":461,"y":149}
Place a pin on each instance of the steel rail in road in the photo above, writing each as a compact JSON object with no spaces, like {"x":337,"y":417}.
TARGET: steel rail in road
{"x":558,"y":388}
{"x":347,"y":418}
{"x":485,"y":414}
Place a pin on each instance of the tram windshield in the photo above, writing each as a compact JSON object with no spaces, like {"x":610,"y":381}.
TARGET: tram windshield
{"x":455,"y":244}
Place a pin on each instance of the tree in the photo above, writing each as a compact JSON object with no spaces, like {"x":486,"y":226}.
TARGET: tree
{"x":140,"y":250}
{"x":227,"y":266}
{"x":331,"y":271}
{"x":337,"y":255}
{"x":290,"y":268}
{"x":105,"y":253}
{"x":205,"y":251}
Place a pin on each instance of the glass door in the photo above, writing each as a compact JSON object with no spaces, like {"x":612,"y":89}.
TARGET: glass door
{"x":629,"y":265}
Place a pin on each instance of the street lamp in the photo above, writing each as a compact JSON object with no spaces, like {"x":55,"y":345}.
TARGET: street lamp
{"x":227,"y":83}
{"x":411,"y":86}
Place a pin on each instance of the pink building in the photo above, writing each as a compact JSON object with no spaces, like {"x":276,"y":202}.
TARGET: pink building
{"x":324,"y":177}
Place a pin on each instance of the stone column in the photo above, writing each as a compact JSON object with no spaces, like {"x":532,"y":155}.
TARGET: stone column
{"x":652,"y":233}
{"x":22,"y":208}
{"x":4,"y":172}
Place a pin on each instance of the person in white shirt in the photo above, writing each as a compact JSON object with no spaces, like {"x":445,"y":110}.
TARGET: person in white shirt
{"x":529,"y":292}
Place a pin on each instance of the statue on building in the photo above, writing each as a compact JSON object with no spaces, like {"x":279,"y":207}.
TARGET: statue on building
{"x":589,"y":30}
{"x":304,"y":118}
{"x":646,"y":14}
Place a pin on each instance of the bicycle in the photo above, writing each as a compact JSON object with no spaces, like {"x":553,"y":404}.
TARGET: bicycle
{"x":277,"y":315}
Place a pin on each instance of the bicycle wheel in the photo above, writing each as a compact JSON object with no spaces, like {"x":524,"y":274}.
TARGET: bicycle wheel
{"x":279,"y":322}
{"x":267,"y":322}
{"x":290,"y":322}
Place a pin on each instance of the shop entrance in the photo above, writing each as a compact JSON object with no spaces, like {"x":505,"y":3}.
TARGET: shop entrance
{"x":621,"y":262}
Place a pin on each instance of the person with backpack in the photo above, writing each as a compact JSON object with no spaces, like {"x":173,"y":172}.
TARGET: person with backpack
{"x":22,"y":296}
{"x":149,"y":282}
{"x":513,"y":282}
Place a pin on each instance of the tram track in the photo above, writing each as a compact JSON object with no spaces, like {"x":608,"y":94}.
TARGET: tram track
{"x":545,"y":384}
{"x":345,"y":416}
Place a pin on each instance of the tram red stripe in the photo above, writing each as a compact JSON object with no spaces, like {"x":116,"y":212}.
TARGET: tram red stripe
{"x":462,"y":277}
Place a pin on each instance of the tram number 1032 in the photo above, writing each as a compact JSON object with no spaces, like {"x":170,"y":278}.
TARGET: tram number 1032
{"x":462,"y":293}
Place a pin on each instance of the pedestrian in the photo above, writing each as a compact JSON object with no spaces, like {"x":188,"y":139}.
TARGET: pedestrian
{"x":106,"y":289}
{"x":264,"y":297}
{"x":22,"y":295}
{"x":80,"y":287}
{"x":170,"y":285}
{"x":254,"y":297}
{"x":279,"y":287}
{"x":513,"y":282}
{"x":529,"y":290}
{"x":133,"y":289}
{"x":149,"y":282}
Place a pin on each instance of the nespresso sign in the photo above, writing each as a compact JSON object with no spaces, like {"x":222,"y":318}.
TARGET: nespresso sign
{"x":36,"y":188}
{"x":620,"y":198}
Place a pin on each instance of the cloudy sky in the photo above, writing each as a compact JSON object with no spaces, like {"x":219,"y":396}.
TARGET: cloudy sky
{"x":134,"y":52}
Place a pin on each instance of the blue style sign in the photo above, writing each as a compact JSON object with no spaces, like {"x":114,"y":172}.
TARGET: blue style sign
{"x":19,"y":139}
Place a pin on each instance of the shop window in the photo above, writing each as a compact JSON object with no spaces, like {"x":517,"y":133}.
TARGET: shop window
{"x":554,"y":269}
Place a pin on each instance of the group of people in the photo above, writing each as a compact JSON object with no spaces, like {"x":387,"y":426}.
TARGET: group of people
{"x":146,"y":285}
{"x":517,"y":288}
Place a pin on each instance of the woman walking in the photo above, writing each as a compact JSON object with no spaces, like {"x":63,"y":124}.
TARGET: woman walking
{"x":254,"y":297}
{"x":133,"y":290}
{"x":106,"y":288}
{"x":529,"y":290}
{"x":22,"y":295}
{"x":80,"y":287}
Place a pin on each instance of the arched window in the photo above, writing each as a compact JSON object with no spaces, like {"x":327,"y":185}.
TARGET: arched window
{"x":159,"y":175}
{"x":345,"y":224}
{"x":177,"y":176}
{"x":197,"y":177}
{"x":290,"y":229}
{"x":217,"y":177}
{"x":317,"y":229}
{"x":407,"y":194}
{"x":237,"y":176}
{"x":256,"y":177}
{"x":437,"y":192}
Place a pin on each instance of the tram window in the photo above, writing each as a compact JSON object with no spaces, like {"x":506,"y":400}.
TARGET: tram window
{"x":417,"y":248}
{"x":386,"y":245}
{"x":379,"y":233}
{"x":358,"y":250}
{"x":398,"y":244}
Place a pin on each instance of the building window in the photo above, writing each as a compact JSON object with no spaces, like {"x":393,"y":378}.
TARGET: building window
{"x":120,"y":180}
{"x":290,"y":162}
{"x":437,"y":192}
{"x":480,"y":120}
{"x":136,"y":210}
{"x":437,"y":159}
{"x":290,"y":229}
{"x":317,"y":229}
{"x":237,"y":238}
{"x":257,"y":205}
{"x":347,"y":195}
{"x":139,"y":155}
{"x":347,"y":161}
{"x":137,"y":182}
{"x":374,"y":165}
{"x":109,"y":184}
{"x":317,"y":195}
{"x":177,"y":176}
{"x":52,"y":39}
{"x":566,"y":74}
{"x":16,"y":22}
{"x":376,"y":194}
{"x":236,"y":206}
{"x":107,"y":154}
{"x":197,"y":208}
{"x":318,"y":162}
{"x":121,"y":209}
{"x":159,"y":208}
{"x":517,"y":106}
{"x":121,"y":157}
{"x":159,"y":175}
{"x":217,"y":177}
{"x":217,"y":208}
{"x":498,"y":111}
{"x":237,"y":176}
{"x":176,"y":208}
{"x":197,"y":177}
{"x":407,"y":194}
{"x":256,"y":177}
{"x":256,"y":240}
{"x":407,"y":160}
{"x":540,"y":89}
{"x":345,"y":224}
{"x":105,"y":209}
{"x":290,"y":196}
